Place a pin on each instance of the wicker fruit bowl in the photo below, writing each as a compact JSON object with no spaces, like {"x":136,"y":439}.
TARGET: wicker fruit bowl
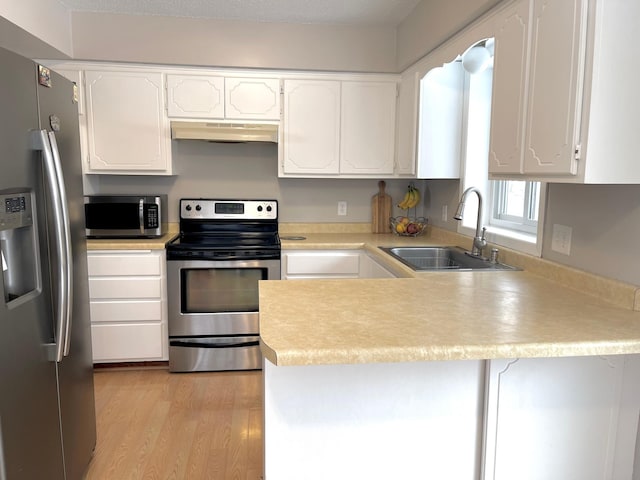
{"x":408,"y":227}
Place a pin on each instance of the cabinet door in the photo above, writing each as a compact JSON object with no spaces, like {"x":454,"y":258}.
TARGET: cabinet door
{"x":559,"y":418}
{"x":509,"y":90}
{"x":440,"y":122}
{"x":311,"y":125}
{"x":367,"y":141}
{"x":370,"y":268}
{"x":127,"y":126}
{"x":555,"y":88}
{"x":252,"y":98}
{"x":195,"y":96}
{"x":406,"y":125}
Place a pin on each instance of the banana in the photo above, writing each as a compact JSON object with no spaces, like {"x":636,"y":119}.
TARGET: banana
{"x":411,"y":198}
{"x":405,"y":201}
{"x":415,"y":197}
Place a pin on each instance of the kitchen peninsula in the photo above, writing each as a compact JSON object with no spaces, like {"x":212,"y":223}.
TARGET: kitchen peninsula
{"x":446,"y":375}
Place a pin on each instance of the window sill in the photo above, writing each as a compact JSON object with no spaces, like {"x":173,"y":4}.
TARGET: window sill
{"x":518,"y":241}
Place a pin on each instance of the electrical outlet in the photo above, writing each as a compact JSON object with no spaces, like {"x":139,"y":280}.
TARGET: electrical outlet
{"x":561,"y":239}
{"x":342,"y":208}
{"x":445,"y":215}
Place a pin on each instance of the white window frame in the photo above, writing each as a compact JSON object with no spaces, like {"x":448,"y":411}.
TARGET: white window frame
{"x":528,"y":222}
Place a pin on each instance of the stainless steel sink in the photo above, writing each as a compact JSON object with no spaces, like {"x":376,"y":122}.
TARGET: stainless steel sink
{"x":442,"y":258}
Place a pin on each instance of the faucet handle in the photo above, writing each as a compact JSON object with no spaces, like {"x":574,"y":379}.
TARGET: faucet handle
{"x":483,"y":237}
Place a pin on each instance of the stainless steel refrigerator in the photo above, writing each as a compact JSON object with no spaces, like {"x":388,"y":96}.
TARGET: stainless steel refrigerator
{"x":47,"y":411}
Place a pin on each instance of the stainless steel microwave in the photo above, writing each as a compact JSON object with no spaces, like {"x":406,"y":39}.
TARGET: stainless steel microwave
{"x":125,"y":216}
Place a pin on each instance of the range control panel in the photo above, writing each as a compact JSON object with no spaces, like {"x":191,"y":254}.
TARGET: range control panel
{"x":206,"y":209}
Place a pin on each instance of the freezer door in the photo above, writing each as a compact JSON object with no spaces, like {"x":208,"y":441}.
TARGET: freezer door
{"x":59,"y":114}
{"x":29,"y":421}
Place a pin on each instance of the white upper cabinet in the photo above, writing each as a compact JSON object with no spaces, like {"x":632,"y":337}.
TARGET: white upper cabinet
{"x":252,"y":98}
{"x":509,"y":89}
{"x":564,"y":96}
{"x":337,"y":128}
{"x":127,"y":128}
{"x":218,"y":97}
{"x":311,"y":127}
{"x":555,"y":86}
{"x":367,"y":141}
{"x":440,"y":122}
{"x":538,"y":77}
{"x":406,"y":124}
{"x":195,"y":96}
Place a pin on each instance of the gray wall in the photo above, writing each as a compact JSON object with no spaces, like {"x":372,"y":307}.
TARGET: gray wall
{"x":208,"y":42}
{"x":201,"y":42}
{"x":605,"y":223}
{"x":431,"y":23}
{"x":215,"y":170}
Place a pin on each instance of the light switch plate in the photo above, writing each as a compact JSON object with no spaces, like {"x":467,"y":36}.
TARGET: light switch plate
{"x":342,"y":208}
{"x":561,"y":239}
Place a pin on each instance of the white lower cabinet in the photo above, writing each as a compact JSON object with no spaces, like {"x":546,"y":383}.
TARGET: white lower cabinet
{"x":562,"y":418}
{"x":375,"y":421}
{"x":370,"y":268}
{"x":308,"y":264}
{"x":571,"y":418}
{"x":127,"y":290}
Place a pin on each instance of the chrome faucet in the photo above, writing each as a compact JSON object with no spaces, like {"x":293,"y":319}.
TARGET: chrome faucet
{"x":479,"y":241}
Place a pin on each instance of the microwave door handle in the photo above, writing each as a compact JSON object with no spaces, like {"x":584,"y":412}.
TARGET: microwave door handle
{"x":66,"y":334}
{"x":141,"y":215}
{"x":40,"y":142}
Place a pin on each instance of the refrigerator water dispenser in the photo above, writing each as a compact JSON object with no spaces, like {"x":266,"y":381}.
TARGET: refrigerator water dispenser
{"x":18,"y":252}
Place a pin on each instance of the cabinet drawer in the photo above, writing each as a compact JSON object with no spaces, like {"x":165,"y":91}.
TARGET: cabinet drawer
{"x":110,"y":311}
{"x":126,"y":342}
{"x":103,"y":265}
{"x":143,"y":287}
{"x":322,"y":263}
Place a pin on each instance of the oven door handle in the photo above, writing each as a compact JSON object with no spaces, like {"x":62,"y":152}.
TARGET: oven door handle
{"x":186,"y":343}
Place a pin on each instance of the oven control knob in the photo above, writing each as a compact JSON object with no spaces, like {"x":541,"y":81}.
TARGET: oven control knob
{"x":259,"y":208}
{"x":198,"y":208}
{"x":269,"y":208}
{"x":188,"y":208}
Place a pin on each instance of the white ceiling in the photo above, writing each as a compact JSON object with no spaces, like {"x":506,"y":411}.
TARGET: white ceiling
{"x":342,"y":12}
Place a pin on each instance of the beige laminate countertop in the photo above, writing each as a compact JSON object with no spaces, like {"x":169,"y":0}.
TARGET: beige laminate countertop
{"x":440,"y":315}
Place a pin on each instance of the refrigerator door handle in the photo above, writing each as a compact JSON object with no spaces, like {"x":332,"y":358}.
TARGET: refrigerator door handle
{"x":66,"y":334}
{"x":41,"y":142}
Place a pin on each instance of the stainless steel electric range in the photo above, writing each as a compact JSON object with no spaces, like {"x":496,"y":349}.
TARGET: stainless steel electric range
{"x":224,"y":249}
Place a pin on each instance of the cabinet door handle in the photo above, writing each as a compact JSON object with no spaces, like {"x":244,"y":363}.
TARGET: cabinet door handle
{"x":141,"y":215}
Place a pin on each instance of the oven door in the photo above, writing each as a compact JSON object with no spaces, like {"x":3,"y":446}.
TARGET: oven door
{"x":208,"y":298}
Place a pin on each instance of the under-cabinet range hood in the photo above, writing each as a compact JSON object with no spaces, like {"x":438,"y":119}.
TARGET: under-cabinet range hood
{"x":224,"y":132}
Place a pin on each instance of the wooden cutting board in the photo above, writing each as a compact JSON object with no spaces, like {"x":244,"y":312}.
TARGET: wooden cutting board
{"x":381,"y":210}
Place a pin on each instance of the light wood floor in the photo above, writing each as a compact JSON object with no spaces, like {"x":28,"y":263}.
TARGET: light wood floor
{"x":156,"y":425}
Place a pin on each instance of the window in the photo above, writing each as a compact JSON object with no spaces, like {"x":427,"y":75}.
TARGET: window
{"x":515,"y":205}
